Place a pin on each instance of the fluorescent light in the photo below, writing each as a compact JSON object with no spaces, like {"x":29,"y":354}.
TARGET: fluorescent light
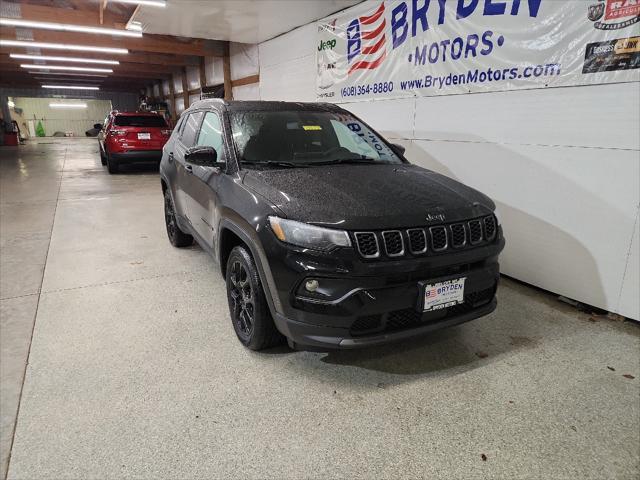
{"x":62,"y":46}
{"x":15,"y":22}
{"x":70,"y":87}
{"x":10,"y":104}
{"x":150,"y":3}
{"x":71,"y":69}
{"x":64,"y":59}
{"x":68,"y":105}
{"x":68,"y":74}
{"x":134,"y":25}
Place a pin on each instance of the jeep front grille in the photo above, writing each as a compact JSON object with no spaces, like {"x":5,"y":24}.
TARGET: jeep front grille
{"x":439,"y":239}
{"x":475,"y":232}
{"x":393,"y":243}
{"x":367,"y":243}
{"x":417,"y":241}
{"x":428,"y":240}
{"x":458,"y":235}
{"x":490,"y":227}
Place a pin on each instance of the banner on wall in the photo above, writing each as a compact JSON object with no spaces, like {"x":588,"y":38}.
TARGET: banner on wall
{"x":402,"y":48}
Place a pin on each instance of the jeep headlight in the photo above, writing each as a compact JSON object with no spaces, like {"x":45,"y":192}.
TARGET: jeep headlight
{"x":308,"y":236}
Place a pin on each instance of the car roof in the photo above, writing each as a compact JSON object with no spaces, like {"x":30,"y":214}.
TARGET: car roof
{"x":266,"y":105}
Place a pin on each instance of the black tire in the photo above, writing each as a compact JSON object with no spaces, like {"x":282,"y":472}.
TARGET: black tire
{"x":248,"y":306}
{"x":103,"y":158}
{"x":112,"y":165}
{"x":176,"y":236}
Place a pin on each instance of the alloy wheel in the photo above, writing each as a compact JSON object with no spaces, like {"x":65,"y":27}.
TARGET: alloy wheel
{"x":170,"y":217}
{"x":243,"y":300}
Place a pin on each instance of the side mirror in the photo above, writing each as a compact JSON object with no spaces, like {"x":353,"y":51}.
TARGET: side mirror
{"x":398,"y":148}
{"x":97,"y":126}
{"x":203,"y":156}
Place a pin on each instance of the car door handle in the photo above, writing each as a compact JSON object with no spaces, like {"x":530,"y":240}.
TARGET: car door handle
{"x":170,"y":157}
{"x":188,"y":168}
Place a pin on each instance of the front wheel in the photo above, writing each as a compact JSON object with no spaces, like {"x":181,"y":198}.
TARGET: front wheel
{"x":176,"y":236}
{"x":250,"y":314}
{"x":103,"y":157}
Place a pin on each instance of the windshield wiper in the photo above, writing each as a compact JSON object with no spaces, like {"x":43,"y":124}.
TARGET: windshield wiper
{"x":272,"y":163}
{"x":345,"y":160}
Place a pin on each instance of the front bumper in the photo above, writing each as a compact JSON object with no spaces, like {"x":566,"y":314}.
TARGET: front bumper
{"x":371,"y":303}
{"x":134,"y":156}
{"x":316,"y":336}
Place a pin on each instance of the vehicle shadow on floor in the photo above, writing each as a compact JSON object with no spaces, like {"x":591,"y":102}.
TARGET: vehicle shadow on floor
{"x":454,"y":349}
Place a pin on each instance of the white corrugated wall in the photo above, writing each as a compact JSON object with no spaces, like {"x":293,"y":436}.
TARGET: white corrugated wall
{"x":54,"y":120}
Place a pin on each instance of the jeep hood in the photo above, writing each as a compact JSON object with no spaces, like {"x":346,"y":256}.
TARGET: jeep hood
{"x":355,"y":197}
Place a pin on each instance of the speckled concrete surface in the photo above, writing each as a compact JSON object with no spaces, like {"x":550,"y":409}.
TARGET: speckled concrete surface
{"x":135,"y":372}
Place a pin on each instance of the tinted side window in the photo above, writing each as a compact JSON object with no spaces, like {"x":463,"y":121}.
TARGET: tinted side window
{"x":211,"y":134}
{"x":190,"y":129}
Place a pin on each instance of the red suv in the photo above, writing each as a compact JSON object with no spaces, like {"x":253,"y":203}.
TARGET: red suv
{"x":130,"y":137}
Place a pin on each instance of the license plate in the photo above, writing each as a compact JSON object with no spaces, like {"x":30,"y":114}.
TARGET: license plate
{"x":144,"y":136}
{"x":443,"y":294}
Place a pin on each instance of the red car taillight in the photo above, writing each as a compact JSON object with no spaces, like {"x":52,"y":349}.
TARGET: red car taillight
{"x":118,"y":133}
{"x":166,"y":133}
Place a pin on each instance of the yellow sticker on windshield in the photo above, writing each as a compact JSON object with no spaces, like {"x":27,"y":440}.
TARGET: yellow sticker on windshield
{"x":312,"y":127}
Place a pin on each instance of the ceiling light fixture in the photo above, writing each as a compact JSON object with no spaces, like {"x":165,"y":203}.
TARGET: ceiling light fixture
{"x":149,"y":3}
{"x":64,"y":59}
{"x":68,"y":105}
{"x":71,"y":69}
{"x":134,"y":25}
{"x":70,"y":74}
{"x":62,"y":46}
{"x":70,"y":87}
{"x":15,"y":22}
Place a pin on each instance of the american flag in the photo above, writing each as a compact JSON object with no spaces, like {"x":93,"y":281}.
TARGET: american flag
{"x":366,"y":35}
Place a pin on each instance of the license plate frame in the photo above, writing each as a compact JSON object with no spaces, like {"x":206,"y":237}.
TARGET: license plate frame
{"x":442,"y":294}
{"x":144,"y":136}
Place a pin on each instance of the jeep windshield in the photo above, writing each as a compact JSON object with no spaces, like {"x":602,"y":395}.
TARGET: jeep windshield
{"x":286,"y":139}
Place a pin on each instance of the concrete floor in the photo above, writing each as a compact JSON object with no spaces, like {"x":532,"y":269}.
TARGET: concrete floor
{"x":134,"y":369}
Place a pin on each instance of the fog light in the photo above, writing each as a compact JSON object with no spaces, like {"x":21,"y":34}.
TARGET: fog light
{"x":311,"y":285}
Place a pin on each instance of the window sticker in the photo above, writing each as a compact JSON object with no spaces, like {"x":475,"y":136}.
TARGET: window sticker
{"x":312,"y":127}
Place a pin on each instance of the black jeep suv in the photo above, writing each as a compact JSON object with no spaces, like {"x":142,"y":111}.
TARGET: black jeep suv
{"x":324,"y":232}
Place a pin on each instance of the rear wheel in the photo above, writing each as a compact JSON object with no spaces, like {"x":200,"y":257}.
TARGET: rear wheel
{"x":112,"y":164}
{"x":250,"y":314}
{"x":176,"y":236}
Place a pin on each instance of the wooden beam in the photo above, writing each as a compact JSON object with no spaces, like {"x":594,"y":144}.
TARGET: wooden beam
{"x":148,"y":43}
{"x":151,"y":58}
{"x":103,"y":6}
{"x":40,"y":13}
{"x":226,"y":71}
{"x":246,"y":80}
{"x":122,"y":67}
{"x":203,"y":73}
{"x":185,"y":88}
{"x":172,"y":99}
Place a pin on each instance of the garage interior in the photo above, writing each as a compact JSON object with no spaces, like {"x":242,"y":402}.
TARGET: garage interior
{"x":118,"y":358}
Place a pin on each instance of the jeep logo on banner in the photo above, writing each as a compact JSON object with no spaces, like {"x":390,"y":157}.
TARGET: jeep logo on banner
{"x":406,"y":48}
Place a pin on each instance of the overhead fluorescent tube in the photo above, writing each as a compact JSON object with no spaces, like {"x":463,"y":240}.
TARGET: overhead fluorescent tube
{"x":68,"y":105}
{"x":70,"y":87}
{"x":150,"y":3}
{"x":70,"y":74}
{"x":64,"y":59}
{"x":71,"y":69}
{"x":62,"y":46}
{"x":16,"y":22}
